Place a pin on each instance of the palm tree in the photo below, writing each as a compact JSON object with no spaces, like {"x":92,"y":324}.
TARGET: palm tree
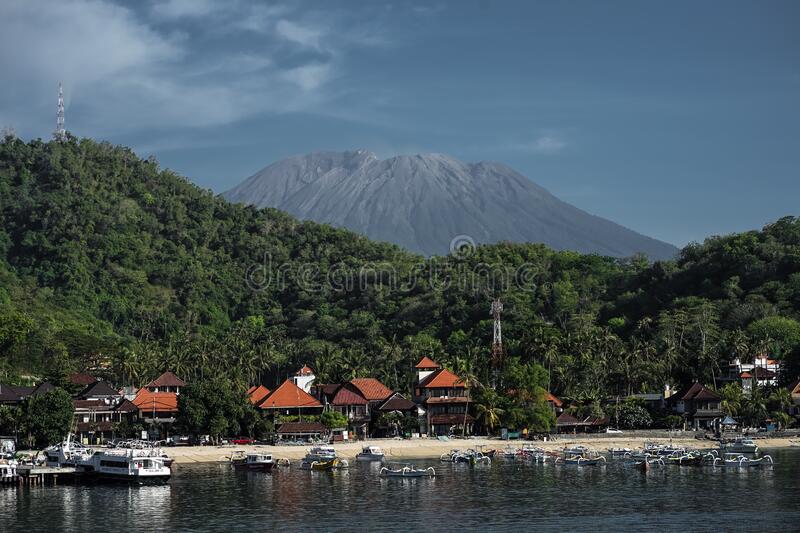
{"x":732,"y":397}
{"x":469,"y":380}
{"x":488,"y":412}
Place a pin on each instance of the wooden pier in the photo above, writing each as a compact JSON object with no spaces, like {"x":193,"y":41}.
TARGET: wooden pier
{"x":39,"y":475}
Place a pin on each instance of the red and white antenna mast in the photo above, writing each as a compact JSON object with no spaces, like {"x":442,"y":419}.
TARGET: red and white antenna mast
{"x":497,"y":344}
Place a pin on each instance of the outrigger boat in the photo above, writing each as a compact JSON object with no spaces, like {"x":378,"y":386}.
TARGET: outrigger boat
{"x":407,"y":471}
{"x":583,"y":461}
{"x":619,"y":452}
{"x":325,"y":466}
{"x":371,"y":453}
{"x":732,"y":459}
{"x":255,"y":462}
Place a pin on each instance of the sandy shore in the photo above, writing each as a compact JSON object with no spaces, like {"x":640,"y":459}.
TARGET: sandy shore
{"x":432,"y":449}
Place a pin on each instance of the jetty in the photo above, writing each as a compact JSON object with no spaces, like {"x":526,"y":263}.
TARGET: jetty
{"x":39,"y":475}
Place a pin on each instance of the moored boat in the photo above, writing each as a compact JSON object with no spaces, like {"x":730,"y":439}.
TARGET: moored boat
{"x":371,"y":453}
{"x":125,"y":464}
{"x":255,"y":462}
{"x":331,"y":464}
{"x":320,"y":454}
{"x":407,"y":471}
{"x":739,"y":445}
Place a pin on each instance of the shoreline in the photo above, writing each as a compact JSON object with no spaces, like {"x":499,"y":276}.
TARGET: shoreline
{"x":433,"y":449}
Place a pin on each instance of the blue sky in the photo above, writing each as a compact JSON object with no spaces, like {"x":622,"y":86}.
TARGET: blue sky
{"x":676,"y":119}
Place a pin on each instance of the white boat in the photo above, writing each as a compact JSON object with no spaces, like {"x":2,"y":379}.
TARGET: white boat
{"x":619,"y":452}
{"x":732,"y":459}
{"x":371,"y":453}
{"x":127,"y":464}
{"x":66,"y":454}
{"x":8,"y":470}
{"x":580,"y":449}
{"x":739,"y":445}
{"x":407,"y":471}
{"x":320,"y":454}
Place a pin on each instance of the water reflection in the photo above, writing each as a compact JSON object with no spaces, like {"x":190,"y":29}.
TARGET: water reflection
{"x":503,"y":495}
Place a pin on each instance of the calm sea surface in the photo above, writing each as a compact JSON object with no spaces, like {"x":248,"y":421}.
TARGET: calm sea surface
{"x":502,"y":496}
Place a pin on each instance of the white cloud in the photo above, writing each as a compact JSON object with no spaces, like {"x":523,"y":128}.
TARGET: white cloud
{"x":303,"y":35}
{"x":308,"y":77}
{"x":122,"y":70}
{"x":548,"y":144}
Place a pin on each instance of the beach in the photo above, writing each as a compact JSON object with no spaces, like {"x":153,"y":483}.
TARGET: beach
{"x":433,"y":448}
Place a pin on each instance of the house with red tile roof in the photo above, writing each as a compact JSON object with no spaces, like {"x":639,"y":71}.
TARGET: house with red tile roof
{"x":349,"y":401}
{"x":81,"y":378}
{"x":289,"y":399}
{"x":426,"y":367}
{"x":699,"y":406}
{"x":446,"y":399}
{"x":257,"y":393}
{"x":372,"y":389}
{"x":166,"y":382}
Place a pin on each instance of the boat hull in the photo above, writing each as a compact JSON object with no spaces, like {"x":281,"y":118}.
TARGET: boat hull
{"x":254,"y":467}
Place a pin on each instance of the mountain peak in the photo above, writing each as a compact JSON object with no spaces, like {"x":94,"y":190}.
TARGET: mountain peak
{"x":425,"y":201}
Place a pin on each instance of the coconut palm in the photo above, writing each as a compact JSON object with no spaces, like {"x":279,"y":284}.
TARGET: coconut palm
{"x":488,"y":412}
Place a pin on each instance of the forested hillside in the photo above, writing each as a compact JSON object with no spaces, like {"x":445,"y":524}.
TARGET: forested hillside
{"x":110,"y":264}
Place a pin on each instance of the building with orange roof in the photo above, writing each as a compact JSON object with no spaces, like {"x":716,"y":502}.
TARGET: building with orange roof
{"x":426,"y":367}
{"x":372,"y":389}
{"x":157,"y":406}
{"x":446,"y":399}
{"x":257,"y":393}
{"x":289,"y":399}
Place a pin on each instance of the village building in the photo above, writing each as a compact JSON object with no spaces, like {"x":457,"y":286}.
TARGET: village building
{"x":99,"y":390}
{"x":166,"y":382}
{"x":301,"y":431}
{"x":289,"y":399}
{"x":445,"y":397}
{"x":762,"y":372}
{"x":14,"y":394}
{"x":158,"y":410}
{"x":349,"y":401}
{"x":304,"y":378}
{"x":699,"y":406}
{"x":394,"y":404}
{"x":567,"y":423}
{"x":96,"y":419}
{"x":81,"y":379}
{"x":257,"y":393}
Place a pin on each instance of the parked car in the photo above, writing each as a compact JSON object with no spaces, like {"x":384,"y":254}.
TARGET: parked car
{"x":200,"y":440}
{"x":613,"y":430}
{"x":242,"y":440}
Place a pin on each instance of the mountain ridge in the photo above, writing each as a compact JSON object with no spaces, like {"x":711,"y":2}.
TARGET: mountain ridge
{"x":424,"y":202}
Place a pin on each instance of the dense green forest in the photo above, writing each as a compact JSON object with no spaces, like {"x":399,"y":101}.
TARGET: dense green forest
{"x":112,"y":265}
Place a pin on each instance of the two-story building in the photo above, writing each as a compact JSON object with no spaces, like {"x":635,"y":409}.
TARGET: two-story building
{"x":445,"y":397}
{"x":699,"y":406}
